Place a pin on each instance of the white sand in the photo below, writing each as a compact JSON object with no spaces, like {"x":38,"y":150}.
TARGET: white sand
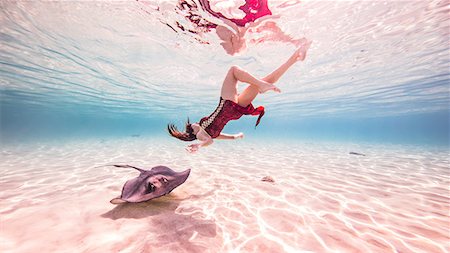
{"x":395,"y":199}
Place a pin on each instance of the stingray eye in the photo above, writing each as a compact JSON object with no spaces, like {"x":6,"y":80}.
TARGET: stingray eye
{"x":150,"y":188}
{"x":164,"y":180}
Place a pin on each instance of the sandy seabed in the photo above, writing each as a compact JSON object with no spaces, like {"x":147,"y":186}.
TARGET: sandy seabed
{"x":55,"y":198}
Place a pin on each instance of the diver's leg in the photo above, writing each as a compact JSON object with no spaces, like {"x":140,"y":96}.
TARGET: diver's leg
{"x":298,"y":55}
{"x":235,"y":74}
{"x":250,"y":93}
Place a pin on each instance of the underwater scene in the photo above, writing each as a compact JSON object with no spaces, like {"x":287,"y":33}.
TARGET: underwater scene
{"x":225,"y":126}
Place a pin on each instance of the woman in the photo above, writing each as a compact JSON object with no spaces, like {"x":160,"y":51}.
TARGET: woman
{"x":233,"y":105}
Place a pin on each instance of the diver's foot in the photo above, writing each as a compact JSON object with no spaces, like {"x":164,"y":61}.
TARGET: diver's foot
{"x":300,"y":53}
{"x":265,"y":87}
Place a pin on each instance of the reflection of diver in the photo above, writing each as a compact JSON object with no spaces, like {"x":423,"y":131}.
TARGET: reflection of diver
{"x":232,"y":31}
{"x":232,"y":42}
{"x":233,"y":36}
{"x":233,"y":105}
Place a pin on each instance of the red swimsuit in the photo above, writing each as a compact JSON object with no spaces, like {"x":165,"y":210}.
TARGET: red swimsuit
{"x":227,"y":110}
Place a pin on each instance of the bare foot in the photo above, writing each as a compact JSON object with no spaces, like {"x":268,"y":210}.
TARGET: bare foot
{"x":268,"y":86}
{"x":300,"y":53}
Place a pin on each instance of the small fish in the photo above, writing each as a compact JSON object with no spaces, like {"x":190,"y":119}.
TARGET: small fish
{"x":354,"y":153}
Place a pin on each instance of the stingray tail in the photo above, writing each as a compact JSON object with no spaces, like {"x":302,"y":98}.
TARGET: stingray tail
{"x":127,"y":166}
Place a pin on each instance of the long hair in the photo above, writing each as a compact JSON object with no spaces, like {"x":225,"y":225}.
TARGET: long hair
{"x":187,"y":135}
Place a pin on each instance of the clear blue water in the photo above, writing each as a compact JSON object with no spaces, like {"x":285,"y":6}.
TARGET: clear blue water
{"x":377,"y":72}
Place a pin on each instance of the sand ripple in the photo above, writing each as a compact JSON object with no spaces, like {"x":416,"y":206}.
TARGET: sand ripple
{"x":395,"y":199}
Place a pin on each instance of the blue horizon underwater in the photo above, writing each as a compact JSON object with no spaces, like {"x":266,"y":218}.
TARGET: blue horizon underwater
{"x":27,"y":123}
{"x":351,"y":156}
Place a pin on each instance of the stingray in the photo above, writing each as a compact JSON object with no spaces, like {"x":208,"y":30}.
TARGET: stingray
{"x":150,"y":184}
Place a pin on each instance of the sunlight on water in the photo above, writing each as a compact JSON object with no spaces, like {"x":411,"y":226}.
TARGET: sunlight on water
{"x":377,"y":57}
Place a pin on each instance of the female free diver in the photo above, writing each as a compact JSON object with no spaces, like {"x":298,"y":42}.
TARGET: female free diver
{"x":233,"y":105}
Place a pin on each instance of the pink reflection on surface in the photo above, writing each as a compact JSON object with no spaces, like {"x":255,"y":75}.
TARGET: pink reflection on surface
{"x":253,"y":10}
{"x":257,"y":20}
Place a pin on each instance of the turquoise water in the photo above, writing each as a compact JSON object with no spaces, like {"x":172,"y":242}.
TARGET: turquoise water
{"x":88,"y":84}
{"x":377,"y":72}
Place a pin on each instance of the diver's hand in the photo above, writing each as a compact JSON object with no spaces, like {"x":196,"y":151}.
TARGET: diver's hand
{"x":193,"y":147}
{"x":239,"y":136}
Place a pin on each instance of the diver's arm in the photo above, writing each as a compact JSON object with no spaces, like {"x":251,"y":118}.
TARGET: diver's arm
{"x":224,"y":136}
{"x":204,"y":138}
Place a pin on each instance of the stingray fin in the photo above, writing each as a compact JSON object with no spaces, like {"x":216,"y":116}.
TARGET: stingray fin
{"x":117,"y":201}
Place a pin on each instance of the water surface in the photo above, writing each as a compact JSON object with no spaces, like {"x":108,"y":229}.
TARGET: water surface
{"x":130,"y":60}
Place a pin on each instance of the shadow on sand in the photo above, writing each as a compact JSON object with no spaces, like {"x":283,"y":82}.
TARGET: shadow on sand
{"x":164,"y":205}
{"x":167,"y":228}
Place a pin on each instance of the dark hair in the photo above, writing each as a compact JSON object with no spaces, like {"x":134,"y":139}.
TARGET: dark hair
{"x":187,"y":135}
